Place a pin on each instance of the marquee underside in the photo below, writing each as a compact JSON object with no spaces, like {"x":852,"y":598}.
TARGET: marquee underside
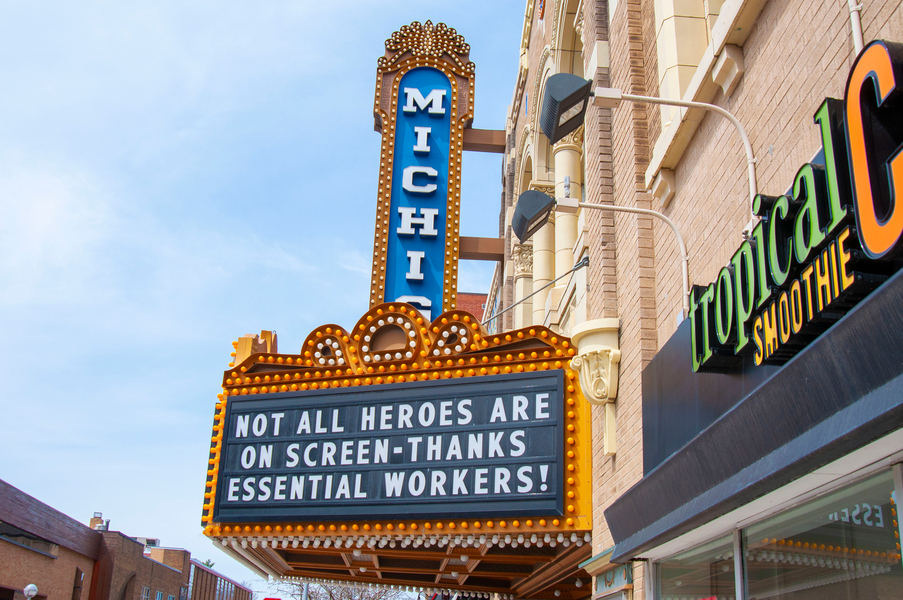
{"x":534,"y":572}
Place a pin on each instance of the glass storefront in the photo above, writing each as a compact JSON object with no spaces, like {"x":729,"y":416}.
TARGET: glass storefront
{"x":704,"y":572}
{"x":843,"y":545}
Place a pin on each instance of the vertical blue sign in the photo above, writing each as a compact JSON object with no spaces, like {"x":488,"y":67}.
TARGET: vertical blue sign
{"x":415,"y":257}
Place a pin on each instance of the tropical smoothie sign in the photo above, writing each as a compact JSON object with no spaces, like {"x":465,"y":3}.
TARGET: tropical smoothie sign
{"x":824,"y":245}
{"x":477,"y":448}
{"x":423,"y":104}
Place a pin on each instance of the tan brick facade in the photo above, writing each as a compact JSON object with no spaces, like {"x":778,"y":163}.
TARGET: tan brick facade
{"x":796,"y":53}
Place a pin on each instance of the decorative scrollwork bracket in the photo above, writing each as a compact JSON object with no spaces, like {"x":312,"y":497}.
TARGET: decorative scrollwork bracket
{"x":596,"y":363}
{"x":598,"y":371}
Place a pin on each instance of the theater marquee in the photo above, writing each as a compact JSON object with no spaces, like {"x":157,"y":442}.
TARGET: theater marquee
{"x":424,"y":102}
{"x":399,"y":416}
{"x":414,"y":450}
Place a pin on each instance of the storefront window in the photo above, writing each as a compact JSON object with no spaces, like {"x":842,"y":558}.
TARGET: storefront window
{"x":706,"y":573}
{"x":840,"y":546}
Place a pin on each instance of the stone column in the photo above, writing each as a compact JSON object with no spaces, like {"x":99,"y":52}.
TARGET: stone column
{"x":567,"y":156}
{"x":522,"y":255}
{"x":543,"y":258}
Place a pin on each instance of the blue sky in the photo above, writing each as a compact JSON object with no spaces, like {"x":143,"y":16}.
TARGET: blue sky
{"x":174,"y":175}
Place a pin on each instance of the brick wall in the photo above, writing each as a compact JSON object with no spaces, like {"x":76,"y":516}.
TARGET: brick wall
{"x":797,"y":52}
{"x":628,"y":258}
{"x":122,"y":571}
{"x":792,"y":64}
{"x":209,"y":585}
{"x":472,"y":303}
{"x":54,"y":577}
{"x":599,"y":172}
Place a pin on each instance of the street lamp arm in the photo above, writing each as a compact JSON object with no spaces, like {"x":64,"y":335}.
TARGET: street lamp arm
{"x":684,"y":257}
{"x":583,"y":262}
{"x":611,"y":97}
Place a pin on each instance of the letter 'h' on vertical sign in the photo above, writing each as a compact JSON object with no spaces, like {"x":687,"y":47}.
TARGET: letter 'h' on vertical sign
{"x":423,"y":104}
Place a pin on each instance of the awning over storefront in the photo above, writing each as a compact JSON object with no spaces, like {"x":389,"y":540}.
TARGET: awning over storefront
{"x":842,"y":392}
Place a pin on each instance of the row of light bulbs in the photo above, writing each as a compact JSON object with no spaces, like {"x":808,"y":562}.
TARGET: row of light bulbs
{"x":422,"y":590}
{"x":404,"y":541}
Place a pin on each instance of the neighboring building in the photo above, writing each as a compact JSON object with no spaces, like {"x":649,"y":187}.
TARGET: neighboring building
{"x":475,"y":304}
{"x":43,"y":546}
{"x":67,"y":560}
{"x":206,"y":584}
{"x":775,"y":480}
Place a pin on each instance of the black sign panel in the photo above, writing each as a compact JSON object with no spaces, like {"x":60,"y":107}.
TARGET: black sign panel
{"x":431,"y":449}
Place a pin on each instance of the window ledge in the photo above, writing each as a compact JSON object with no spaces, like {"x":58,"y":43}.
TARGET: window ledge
{"x":733,"y":27}
{"x":29,"y":548}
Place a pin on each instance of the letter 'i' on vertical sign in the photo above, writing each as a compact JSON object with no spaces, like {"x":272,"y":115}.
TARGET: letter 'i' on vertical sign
{"x":424,"y":101}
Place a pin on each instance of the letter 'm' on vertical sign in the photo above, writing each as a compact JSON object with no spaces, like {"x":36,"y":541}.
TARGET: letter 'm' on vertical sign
{"x":423,"y":104}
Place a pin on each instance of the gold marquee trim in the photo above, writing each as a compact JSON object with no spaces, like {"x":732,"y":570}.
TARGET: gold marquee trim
{"x":360,"y":359}
{"x":428,"y":40}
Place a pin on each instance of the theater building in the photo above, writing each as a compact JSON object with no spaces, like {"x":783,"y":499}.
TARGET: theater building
{"x":749,"y":448}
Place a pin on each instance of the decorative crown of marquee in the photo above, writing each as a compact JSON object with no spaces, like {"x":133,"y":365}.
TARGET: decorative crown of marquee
{"x":427,"y":39}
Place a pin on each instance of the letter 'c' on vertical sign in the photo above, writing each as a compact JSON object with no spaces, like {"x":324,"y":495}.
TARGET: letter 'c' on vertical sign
{"x":879,"y":219}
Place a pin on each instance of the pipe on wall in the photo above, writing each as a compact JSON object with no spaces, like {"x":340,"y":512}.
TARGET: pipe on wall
{"x":856,"y":25}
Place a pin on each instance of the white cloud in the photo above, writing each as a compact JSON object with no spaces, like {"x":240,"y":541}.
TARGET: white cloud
{"x":355,"y":261}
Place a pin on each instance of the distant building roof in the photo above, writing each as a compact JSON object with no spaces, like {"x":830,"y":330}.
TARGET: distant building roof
{"x":30,"y":514}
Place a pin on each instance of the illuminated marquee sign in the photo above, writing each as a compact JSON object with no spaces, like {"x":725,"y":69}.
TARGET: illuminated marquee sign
{"x":808,"y":261}
{"x":402,"y":419}
{"x":478,"y":448}
{"x":423,"y":102}
{"x":414,"y":447}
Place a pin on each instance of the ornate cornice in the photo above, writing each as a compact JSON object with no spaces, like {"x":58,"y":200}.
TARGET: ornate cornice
{"x":598,"y":374}
{"x":572,"y":141}
{"x":578,"y":22}
{"x":542,"y":74}
{"x":546,"y":187}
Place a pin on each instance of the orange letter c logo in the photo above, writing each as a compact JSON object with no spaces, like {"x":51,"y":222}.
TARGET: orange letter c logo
{"x":874,"y":134}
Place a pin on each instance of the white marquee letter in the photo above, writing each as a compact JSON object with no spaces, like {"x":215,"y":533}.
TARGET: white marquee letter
{"x":423,"y":143}
{"x":422,"y":302}
{"x":414,"y":270}
{"x":426,"y":220}
{"x":433,"y":100}
{"x":407,"y":180}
